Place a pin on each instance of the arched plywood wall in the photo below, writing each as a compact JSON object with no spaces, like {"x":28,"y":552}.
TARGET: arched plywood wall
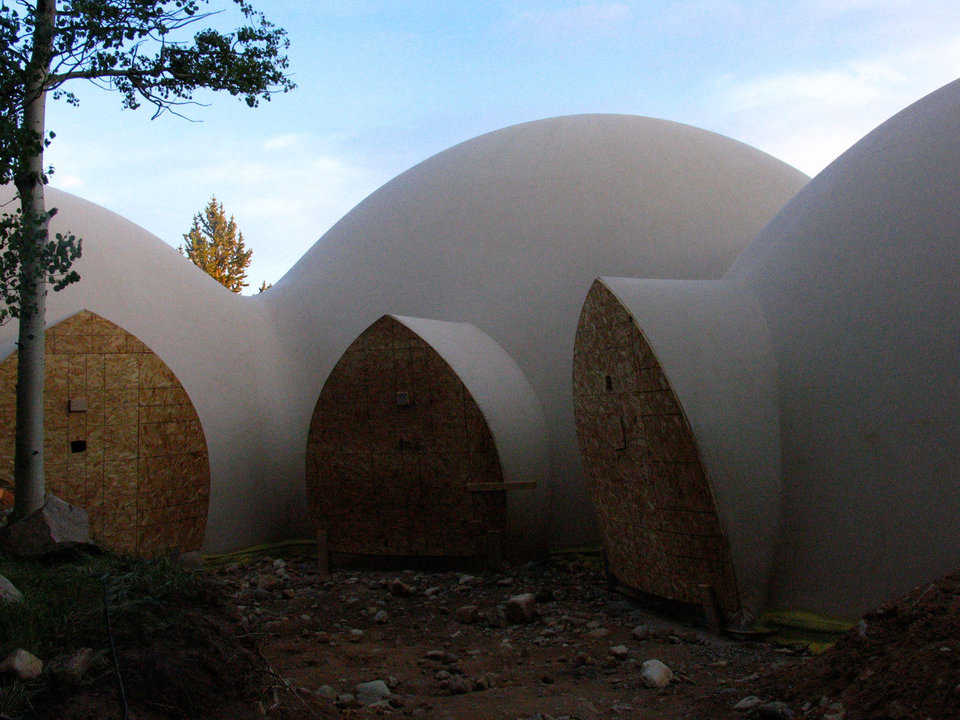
{"x":400,"y":459}
{"x":122,"y":440}
{"x":657,"y":513}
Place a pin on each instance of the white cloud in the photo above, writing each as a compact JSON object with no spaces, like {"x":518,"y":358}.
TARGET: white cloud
{"x":693,"y":16}
{"x":808,"y":118}
{"x":837,"y":7}
{"x":852,"y":85}
{"x":282,"y":142}
{"x":68,"y":182}
{"x":579,"y":19}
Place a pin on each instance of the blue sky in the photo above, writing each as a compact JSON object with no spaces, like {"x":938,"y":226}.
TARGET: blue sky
{"x":384,"y":84}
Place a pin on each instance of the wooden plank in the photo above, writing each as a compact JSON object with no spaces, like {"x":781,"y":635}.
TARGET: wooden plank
{"x":500,"y":487}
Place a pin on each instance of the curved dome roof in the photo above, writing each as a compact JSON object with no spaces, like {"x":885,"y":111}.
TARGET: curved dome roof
{"x":508,"y":230}
{"x":857,"y":277}
{"x":553,"y":192}
{"x":888,"y":207}
{"x":854,"y":285}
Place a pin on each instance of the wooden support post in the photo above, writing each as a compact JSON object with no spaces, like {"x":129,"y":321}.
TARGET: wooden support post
{"x":494,"y":550}
{"x":323,"y":553}
{"x":711,"y":607}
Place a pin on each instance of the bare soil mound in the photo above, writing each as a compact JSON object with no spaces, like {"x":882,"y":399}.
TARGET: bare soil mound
{"x":902,"y":661}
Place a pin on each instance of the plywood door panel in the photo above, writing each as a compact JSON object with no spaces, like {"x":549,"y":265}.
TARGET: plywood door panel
{"x":652,"y":497}
{"x":143,"y":476}
{"x":413,"y":438}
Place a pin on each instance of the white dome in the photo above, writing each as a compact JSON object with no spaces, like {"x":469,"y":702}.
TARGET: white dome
{"x":820,"y":374}
{"x":218,"y":345}
{"x":858,"y":278}
{"x":506,"y":231}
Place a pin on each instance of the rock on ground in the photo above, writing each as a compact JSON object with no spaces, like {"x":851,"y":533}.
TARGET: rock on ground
{"x":467,"y":614}
{"x":748,"y":703}
{"x":655,"y":674}
{"x":400,"y":588}
{"x":9,"y":592}
{"x":775,"y":711}
{"x":370,"y":692}
{"x":521,"y":608}
{"x":71,"y":668}
{"x":56,"y":525}
{"x":25,"y":665}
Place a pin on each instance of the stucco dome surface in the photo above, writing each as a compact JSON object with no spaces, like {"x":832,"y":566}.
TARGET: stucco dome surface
{"x":507,"y":231}
{"x":856,"y":334}
{"x":858,"y":279}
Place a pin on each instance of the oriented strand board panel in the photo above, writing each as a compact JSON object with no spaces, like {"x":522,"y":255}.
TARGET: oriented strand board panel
{"x":122,"y":439}
{"x":394,"y":443}
{"x":656,"y":511}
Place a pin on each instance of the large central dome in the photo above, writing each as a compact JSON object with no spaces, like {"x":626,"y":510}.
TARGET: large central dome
{"x":508,"y":230}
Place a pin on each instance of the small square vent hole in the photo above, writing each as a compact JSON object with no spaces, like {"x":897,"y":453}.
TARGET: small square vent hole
{"x":78,"y":446}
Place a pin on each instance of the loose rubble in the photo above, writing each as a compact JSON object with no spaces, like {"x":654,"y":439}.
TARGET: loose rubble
{"x":900,"y":662}
{"x":549,"y":641}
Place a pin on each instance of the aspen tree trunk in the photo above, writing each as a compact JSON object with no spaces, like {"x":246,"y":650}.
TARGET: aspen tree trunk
{"x":28,"y":457}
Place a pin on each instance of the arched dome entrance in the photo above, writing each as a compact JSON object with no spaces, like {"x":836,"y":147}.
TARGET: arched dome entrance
{"x":122,"y":438}
{"x":401,"y":460}
{"x":656,"y":511}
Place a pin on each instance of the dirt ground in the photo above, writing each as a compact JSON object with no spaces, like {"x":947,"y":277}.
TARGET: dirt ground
{"x":280,"y":641}
{"x":443,"y":644}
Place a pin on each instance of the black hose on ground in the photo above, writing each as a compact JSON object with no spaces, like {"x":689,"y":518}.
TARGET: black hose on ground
{"x":113,"y":651}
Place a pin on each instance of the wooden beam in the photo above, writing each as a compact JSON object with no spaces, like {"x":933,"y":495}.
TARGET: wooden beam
{"x":500,"y":487}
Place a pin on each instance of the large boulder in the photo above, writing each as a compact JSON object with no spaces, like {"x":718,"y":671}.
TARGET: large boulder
{"x":55,"y":526}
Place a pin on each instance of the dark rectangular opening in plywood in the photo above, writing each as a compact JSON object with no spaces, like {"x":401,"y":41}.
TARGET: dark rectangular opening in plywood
{"x":78,"y":446}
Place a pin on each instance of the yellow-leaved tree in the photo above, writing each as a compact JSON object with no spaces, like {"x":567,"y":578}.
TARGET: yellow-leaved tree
{"x":216,"y":246}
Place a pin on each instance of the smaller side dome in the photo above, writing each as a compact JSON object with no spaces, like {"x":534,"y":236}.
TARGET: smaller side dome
{"x":657,"y":514}
{"x":674,"y":396}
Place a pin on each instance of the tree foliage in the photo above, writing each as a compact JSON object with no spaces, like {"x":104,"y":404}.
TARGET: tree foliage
{"x":141,"y":49}
{"x":216,"y":246}
{"x":53,"y":259}
{"x":133,"y":47}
